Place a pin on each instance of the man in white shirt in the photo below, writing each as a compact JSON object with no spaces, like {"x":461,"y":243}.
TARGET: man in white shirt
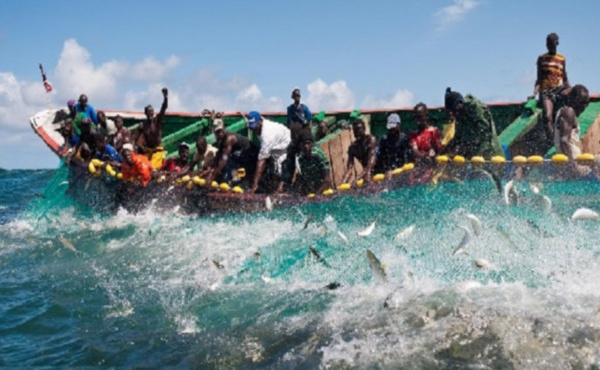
{"x":274,"y":141}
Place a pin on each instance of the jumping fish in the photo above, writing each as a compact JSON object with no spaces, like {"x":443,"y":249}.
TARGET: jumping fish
{"x":546,"y":203}
{"x":376,"y":266}
{"x":495,"y":179}
{"x":534,"y":188}
{"x":368,"y":230}
{"x":268,"y":203}
{"x":343,"y":237}
{"x":218,"y":265}
{"x":318,"y":256}
{"x":66,"y":243}
{"x":585,"y":214}
{"x":266,"y":278}
{"x":466,"y":240}
{"x":405,"y":232}
{"x":475,"y":223}
{"x":510,"y":194}
{"x":307,"y":222}
{"x":482,"y":263}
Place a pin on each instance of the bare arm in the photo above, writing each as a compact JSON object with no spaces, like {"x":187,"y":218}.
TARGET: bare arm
{"x":349,"y":167}
{"x":327,"y":182}
{"x":566,"y":82}
{"x":260,"y":168}
{"x":165,"y":103}
{"x":366,"y":174}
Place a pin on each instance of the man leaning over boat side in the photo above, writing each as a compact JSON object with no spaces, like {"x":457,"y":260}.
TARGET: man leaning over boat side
{"x":105,"y":152}
{"x":203,"y":157}
{"x":148,"y":136}
{"x":136,"y":167}
{"x":425,"y":141}
{"x":234,"y":151}
{"x":180,"y":165}
{"x":362,"y":149}
{"x":553,"y":86}
{"x":393,"y":150}
{"x":475,"y":132}
{"x":274,"y":141}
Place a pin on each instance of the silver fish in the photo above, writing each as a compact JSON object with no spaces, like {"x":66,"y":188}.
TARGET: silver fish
{"x":475,"y":224}
{"x":585,"y":214}
{"x":268,"y":203}
{"x":343,"y":237}
{"x":218,"y":265}
{"x":482,"y":263}
{"x":405,"y":232}
{"x":67,"y":243}
{"x":466,"y":240}
{"x":376,"y":266}
{"x":510,"y":194}
{"x":368,"y":230}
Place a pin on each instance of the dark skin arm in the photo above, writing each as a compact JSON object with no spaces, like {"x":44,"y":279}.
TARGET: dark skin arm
{"x":327,"y":182}
{"x":224,"y":155}
{"x":366,"y":174}
{"x":565,"y":126}
{"x":260,"y":168}
{"x":349,"y":167}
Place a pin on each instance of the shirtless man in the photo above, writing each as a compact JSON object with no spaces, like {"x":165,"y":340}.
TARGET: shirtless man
{"x":233,"y":151}
{"x":149,"y":135}
{"x":363,"y":149}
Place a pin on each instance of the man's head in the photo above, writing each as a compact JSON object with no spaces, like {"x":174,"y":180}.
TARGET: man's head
{"x":119,"y":122}
{"x":71,"y":105}
{"x":101,"y":118}
{"x":126,"y":153}
{"x":67,"y":128}
{"x":100,"y":141}
{"x":255,"y":122}
{"x":393,"y":124}
{"x":184,"y":151}
{"x":358,"y":128}
{"x":579,"y":98}
{"x":305,"y":140}
{"x":552,"y":42}
{"x":453,"y":101}
{"x":201,"y":145}
{"x":421,"y":115}
{"x":149,"y":110}
{"x":296,"y":95}
{"x":219,"y":129}
{"x":83,"y":99}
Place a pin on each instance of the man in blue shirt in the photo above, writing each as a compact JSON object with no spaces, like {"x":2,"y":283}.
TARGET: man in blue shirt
{"x":104,"y":151}
{"x":84,"y":107}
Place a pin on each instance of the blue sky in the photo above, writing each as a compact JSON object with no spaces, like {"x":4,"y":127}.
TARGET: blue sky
{"x":242,"y":55}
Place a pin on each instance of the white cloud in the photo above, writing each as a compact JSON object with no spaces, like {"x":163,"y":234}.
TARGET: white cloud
{"x":401,"y":99}
{"x":151,"y":69}
{"x":454,"y":12}
{"x":336,"y":96}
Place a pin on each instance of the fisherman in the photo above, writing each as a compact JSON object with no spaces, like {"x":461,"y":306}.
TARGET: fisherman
{"x":552,"y":84}
{"x":148,"y":137}
{"x":393,"y":150}
{"x":362,"y":149}
{"x":122,"y":135}
{"x":106,"y":127}
{"x":425,"y":141}
{"x":105,"y":152}
{"x":135,"y":167}
{"x":298,"y":114}
{"x":274,"y":139}
{"x":203,"y":156}
{"x":234,"y":151}
{"x":87,"y":134}
{"x":70,"y":138}
{"x":83,"y":107}
{"x":178,"y":166}
{"x":71,"y":108}
{"x":312,"y":168}
{"x":475,"y":132}
{"x":322,"y":128}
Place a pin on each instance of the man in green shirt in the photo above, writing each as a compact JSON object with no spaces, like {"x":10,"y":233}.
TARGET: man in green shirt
{"x":312,"y":167}
{"x":475,"y":130}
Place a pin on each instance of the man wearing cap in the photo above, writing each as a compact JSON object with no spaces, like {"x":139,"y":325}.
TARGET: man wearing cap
{"x":274,"y":141}
{"x":71,"y":108}
{"x":362,"y":149}
{"x":178,"y":166}
{"x":425,"y":142}
{"x":475,"y":132}
{"x":234,"y":151}
{"x":393,"y":149}
{"x":135,"y":167}
{"x":148,"y":137}
{"x":312,"y":168}
{"x":83,"y":107}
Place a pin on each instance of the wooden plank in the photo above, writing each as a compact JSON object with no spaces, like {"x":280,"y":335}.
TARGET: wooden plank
{"x":591,"y":141}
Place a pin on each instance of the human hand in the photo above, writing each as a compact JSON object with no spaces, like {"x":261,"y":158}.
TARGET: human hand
{"x":165,"y":92}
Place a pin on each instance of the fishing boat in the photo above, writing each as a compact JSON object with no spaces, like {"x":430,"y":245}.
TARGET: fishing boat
{"x":516,"y":124}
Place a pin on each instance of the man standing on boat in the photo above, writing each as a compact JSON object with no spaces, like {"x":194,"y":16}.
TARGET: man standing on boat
{"x":552,"y":84}
{"x":299,"y":120}
{"x":83,"y":107}
{"x":475,"y":132}
{"x":362,"y":149}
{"x":274,"y":141}
{"x":149,"y":135}
{"x":393,"y":150}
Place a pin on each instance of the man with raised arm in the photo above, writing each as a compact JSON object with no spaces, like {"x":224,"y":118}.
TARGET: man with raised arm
{"x":149,"y":135}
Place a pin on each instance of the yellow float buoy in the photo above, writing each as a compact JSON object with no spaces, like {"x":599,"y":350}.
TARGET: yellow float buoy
{"x":328,"y":192}
{"x":238,"y":190}
{"x":498,"y":160}
{"x":441,"y":159}
{"x":344,"y":187}
{"x":408,"y":167}
{"x":224,"y":187}
{"x":519,"y":160}
{"x":378,"y":177}
{"x":458,"y":160}
{"x":360,"y":183}
{"x":477,"y":160}
{"x":559,"y":159}
{"x":535,"y":160}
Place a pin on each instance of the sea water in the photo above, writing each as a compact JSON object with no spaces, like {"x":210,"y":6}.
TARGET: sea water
{"x":244,"y":291}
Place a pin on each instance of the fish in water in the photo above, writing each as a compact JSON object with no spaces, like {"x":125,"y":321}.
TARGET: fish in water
{"x":307,"y":222}
{"x":318,"y":256}
{"x":585,"y":214}
{"x":534,"y":188}
{"x":405,"y":232}
{"x":466,"y":240}
{"x":492,"y":176}
{"x":376,"y":266}
{"x":218,"y":265}
{"x":343,"y":237}
{"x":268,"y":203}
{"x":66,"y":243}
{"x":482,"y":263}
{"x":333,"y":286}
{"x":266,"y":278}
{"x":475,"y":224}
{"x":368,"y":230}
{"x":546,"y":203}
{"x":510,"y":194}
